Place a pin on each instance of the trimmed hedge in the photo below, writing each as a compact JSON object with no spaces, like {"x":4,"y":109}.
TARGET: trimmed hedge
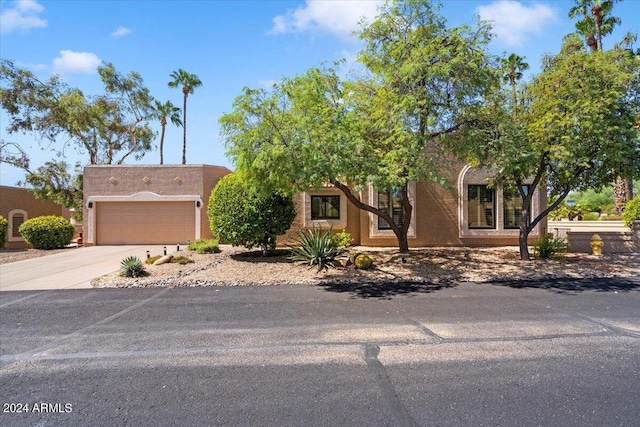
{"x":47,"y":232}
{"x":631,"y":211}
{"x":4,"y":226}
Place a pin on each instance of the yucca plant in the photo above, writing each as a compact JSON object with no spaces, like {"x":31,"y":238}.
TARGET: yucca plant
{"x":132,"y":267}
{"x":315,"y":247}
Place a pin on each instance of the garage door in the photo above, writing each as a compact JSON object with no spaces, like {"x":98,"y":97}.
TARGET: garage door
{"x":136,"y":223}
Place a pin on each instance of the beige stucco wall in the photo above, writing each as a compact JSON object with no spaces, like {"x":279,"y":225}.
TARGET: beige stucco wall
{"x":14,"y":198}
{"x":147,"y":182}
{"x":436,"y":220}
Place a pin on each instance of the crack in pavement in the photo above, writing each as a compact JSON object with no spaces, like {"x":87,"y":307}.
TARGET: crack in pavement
{"x":389,"y":394}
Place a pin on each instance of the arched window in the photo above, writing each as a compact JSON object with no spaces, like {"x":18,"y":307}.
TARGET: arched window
{"x":16,"y":218}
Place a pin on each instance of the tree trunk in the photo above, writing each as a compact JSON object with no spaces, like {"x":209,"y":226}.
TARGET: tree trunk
{"x":523,"y":236}
{"x":620,"y":193}
{"x":161,"y":145}
{"x":184,"y":131}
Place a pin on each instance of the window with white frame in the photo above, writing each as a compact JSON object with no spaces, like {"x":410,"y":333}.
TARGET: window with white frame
{"x":484,"y":211}
{"x":16,"y":218}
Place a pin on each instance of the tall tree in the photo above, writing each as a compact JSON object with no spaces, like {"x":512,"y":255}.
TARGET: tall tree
{"x":513,"y":67}
{"x":380,"y":131}
{"x":595,"y":22}
{"x":162,"y":112}
{"x":188,"y":82}
{"x":107,"y":128}
{"x":576,"y":128}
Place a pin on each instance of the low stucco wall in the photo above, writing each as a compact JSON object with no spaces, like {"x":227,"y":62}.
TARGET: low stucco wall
{"x":14,"y":199}
{"x":615,"y":242}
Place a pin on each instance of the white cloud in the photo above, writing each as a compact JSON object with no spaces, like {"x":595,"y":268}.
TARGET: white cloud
{"x":23,"y":16}
{"x":513,"y":22}
{"x":76,"y":62}
{"x":121,"y":31}
{"x":336,"y":17}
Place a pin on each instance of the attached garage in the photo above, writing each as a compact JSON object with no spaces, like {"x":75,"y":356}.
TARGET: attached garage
{"x":136,"y":223}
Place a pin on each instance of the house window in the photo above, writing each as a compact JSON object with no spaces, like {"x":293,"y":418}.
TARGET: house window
{"x":16,"y":222}
{"x":512,"y":207}
{"x":481,"y":207}
{"x":391,"y":203}
{"x":325,"y":207}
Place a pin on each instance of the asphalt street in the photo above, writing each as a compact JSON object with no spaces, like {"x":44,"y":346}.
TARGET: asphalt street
{"x":561,"y":353}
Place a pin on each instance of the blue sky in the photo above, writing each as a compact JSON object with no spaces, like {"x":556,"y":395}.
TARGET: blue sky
{"x":230,"y":45}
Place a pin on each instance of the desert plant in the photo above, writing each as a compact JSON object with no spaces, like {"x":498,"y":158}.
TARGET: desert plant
{"x":204,"y":246}
{"x":631,"y":211}
{"x":47,"y":232}
{"x":182,"y":260}
{"x":353,"y":256}
{"x":363,"y":262}
{"x":546,"y":246}
{"x":591,"y":216}
{"x":152,"y":259}
{"x":4,"y":226}
{"x":316,"y":247}
{"x":132,"y":267}
{"x":342,"y":239}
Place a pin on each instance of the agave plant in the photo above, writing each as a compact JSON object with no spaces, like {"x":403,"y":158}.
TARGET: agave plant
{"x":315,"y":247}
{"x":132,"y":267}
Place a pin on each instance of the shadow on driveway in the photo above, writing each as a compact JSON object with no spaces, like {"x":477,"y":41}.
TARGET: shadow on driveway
{"x":575,"y":286}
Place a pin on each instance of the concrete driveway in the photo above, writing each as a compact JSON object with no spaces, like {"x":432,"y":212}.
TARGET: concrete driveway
{"x":69,"y":270}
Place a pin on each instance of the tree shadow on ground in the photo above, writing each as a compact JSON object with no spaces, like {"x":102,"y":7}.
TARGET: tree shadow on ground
{"x":384,"y":290}
{"x":576,"y":286}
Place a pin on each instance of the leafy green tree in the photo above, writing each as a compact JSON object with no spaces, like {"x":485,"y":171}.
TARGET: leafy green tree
{"x":578,"y":127}
{"x":107,"y":128}
{"x":188,"y":82}
{"x":242,"y":215}
{"x":381,"y":130}
{"x":162,"y":112}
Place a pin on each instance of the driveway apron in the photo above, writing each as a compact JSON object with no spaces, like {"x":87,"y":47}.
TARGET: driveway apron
{"x":69,"y":270}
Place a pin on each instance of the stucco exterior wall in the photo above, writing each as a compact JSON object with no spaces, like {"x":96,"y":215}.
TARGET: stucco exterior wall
{"x":148,"y":182}
{"x":15,"y":199}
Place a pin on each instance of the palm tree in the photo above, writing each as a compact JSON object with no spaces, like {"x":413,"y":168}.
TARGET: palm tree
{"x":597,"y":22}
{"x":188,"y":82}
{"x":513,"y":67}
{"x":163,"y":111}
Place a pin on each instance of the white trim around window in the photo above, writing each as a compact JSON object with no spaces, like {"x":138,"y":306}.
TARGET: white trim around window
{"x":336,"y":224}
{"x":469,"y":176}
{"x":14,"y":235}
{"x":373,"y":218}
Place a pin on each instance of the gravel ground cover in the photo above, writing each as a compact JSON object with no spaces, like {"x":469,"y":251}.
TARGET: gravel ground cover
{"x":237,"y":267}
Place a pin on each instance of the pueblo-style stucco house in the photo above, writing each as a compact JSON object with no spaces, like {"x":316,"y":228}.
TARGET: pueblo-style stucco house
{"x":167,"y":204}
{"x":18,"y":205}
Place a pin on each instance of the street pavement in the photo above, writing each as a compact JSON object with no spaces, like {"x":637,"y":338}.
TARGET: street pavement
{"x":72,"y":269}
{"x":563,"y":353}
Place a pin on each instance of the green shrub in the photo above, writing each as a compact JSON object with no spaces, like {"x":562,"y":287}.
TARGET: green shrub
{"x":205,"y":246}
{"x":4,"y":226}
{"x":546,"y":246}
{"x":363,"y":262}
{"x":631,"y":211}
{"x":152,"y":259}
{"x":182,"y":260}
{"x":244,"y":215}
{"x":591,"y":216}
{"x":47,"y":232}
{"x":316,"y":247}
{"x":342,"y":239}
{"x":132,"y":267}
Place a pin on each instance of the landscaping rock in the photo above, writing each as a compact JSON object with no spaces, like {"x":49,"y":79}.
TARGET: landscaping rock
{"x":163,"y":260}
